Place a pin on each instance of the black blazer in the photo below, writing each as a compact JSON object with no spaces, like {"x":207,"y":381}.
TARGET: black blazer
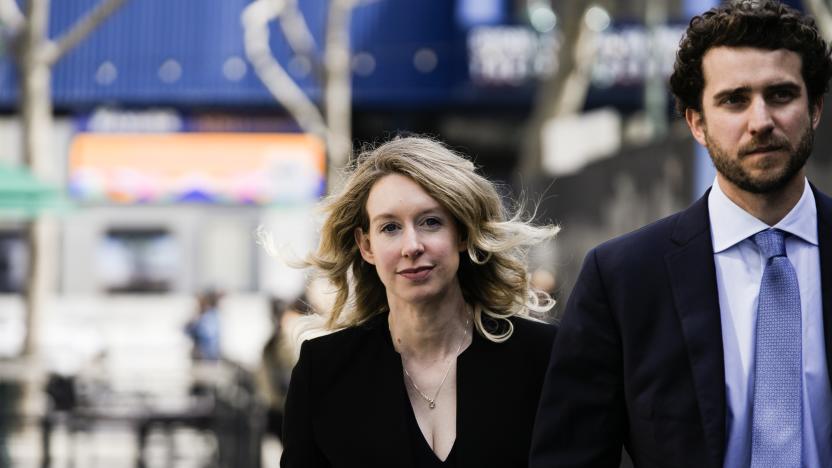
{"x":639,"y":360}
{"x":346,"y":402}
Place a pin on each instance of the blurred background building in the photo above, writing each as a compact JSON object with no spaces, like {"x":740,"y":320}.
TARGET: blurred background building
{"x":176,"y":133}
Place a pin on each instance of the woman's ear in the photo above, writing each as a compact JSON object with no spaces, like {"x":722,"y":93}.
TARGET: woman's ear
{"x":462,"y":233}
{"x":363,"y":241}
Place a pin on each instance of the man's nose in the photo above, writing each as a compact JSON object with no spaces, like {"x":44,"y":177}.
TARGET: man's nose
{"x":760,"y":120}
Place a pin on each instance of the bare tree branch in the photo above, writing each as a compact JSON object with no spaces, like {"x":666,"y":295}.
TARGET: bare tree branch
{"x":822,"y":14}
{"x":565,"y":91}
{"x":11,"y":16}
{"x":81,"y":29}
{"x":334,"y":127}
{"x":262,"y":11}
{"x":296,"y":30}
{"x":256,"y":18}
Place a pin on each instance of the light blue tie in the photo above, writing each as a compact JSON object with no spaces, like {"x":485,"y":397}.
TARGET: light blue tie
{"x":776,"y":425}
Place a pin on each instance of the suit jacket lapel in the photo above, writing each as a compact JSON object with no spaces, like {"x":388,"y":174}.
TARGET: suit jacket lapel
{"x":824,"y":209}
{"x":693,"y":279}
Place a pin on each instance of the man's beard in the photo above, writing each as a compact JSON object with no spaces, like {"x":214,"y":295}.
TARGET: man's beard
{"x":731,"y":169}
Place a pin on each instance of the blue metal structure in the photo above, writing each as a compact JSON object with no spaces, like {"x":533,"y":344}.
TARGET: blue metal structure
{"x":190,"y":53}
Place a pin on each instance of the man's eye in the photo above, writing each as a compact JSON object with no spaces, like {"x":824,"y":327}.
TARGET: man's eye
{"x":782,"y":96}
{"x":732,"y":100}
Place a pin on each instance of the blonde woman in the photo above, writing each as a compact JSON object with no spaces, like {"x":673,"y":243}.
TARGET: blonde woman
{"x":434,"y":360}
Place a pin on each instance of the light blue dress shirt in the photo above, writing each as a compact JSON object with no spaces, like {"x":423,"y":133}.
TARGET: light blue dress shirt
{"x":739,"y":270}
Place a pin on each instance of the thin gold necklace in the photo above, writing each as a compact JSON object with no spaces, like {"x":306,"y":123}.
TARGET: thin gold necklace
{"x":432,"y":401}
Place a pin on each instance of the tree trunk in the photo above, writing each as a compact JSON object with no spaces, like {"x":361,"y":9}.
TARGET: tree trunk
{"x":36,"y":111}
{"x":338,"y":92}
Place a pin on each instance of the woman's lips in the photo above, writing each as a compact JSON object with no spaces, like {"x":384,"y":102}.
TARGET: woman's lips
{"x":416,"y":274}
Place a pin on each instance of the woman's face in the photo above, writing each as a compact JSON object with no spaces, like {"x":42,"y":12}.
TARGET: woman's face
{"x":413,"y":241}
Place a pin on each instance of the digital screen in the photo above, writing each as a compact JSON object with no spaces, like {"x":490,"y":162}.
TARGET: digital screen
{"x":223,"y":168}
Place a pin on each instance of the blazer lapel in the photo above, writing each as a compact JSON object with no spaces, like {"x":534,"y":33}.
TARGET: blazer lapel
{"x":693,"y":279}
{"x":469,"y":410}
{"x":824,"y":209}
{"x":383,"y":402}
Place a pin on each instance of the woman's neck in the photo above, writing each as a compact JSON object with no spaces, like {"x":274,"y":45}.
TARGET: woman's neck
{"x":430,"y":331}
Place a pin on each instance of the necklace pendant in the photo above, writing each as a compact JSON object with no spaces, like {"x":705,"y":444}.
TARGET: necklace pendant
{"x":431,"y":404}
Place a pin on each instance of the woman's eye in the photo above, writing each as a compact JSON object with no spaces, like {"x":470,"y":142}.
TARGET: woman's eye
{"x":433,"y":222}
{"x":388,"y":228}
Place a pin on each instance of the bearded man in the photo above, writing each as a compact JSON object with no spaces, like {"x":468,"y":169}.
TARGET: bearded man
{"x":705,"y":339}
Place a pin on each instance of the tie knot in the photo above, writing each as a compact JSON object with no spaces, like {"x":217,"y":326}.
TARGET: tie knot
{"x":771,"y":243}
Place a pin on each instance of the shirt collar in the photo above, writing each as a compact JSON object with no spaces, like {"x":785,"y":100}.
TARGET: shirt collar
{"x":730,"y":224}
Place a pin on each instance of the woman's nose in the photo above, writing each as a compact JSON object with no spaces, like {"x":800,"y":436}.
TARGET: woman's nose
{"x":411,"y":245}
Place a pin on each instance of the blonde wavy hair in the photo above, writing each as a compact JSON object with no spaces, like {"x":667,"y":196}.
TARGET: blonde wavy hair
{"x":492,"y":273}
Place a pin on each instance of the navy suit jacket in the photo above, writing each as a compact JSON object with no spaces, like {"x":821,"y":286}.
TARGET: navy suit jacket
{"x":639,"y":361}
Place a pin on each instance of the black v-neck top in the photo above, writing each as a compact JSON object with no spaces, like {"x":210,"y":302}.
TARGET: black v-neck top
{"x":423,"y":454}
{"x":347,"y":400}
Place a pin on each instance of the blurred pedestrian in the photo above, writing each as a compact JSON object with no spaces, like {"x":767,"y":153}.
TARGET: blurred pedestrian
{"x":277,"y":361}
{"x":434,"y":358}
{"x":204,"y":328}
{"x":702,"y":340}
{"x":10,"y":416}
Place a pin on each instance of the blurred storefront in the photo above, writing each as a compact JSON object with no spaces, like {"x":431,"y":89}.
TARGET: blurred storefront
{"x":177,"y":212}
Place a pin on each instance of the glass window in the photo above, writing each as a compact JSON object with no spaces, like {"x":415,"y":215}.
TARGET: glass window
{"x":14,"y":259}
{"x":137,"y":260}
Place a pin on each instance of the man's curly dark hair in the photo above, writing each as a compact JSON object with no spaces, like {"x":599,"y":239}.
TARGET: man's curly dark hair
{"x":762,"y":24}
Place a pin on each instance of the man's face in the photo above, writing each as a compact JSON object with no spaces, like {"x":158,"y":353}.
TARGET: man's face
{"x":755,"y":120}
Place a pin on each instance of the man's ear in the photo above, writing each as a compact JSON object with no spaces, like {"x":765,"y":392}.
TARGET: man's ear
{"x":696,"y":123}
{"x":817,"y":110}
{"x":363,"y":241}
